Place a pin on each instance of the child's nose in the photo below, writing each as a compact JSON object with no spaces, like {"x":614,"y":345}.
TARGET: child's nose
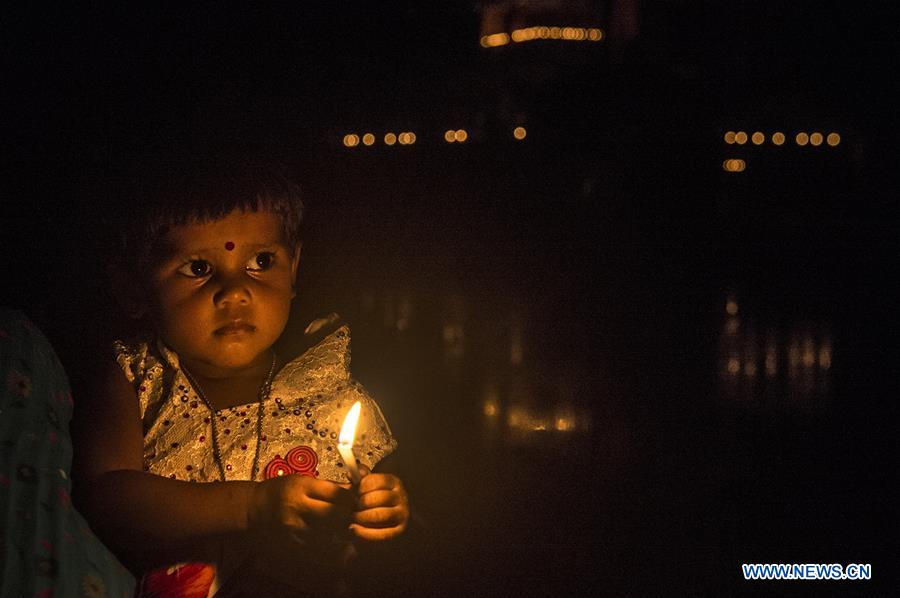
{"x":233,"y":291}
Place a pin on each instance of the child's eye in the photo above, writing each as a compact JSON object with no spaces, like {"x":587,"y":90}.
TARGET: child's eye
{"x":196,"y":269}
{"x":261,"y":261}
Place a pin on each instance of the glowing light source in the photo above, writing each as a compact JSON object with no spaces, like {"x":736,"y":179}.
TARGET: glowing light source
{"x":495,"y":39}
{"x":345,"y":441}
{"x":461,"y":135}
{"x":519,"y":133}
{"x":450,"y":136}
{"x":527,"y":34}
{"x":368,"y":139}
{"x":390,"y":139}
{"x":564,"y":424}
{"x":808,"y":352}
{"x":351,"y":140}
{"x":490,"y":408}
{"x":734,"y":165}
{"x":731,"y":306}
{"x":406,"y":138}
{"x":802,"y":138}
{"x":734,"y":366}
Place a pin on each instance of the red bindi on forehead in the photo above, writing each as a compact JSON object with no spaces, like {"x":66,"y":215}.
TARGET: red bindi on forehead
{"x":229,"y":245}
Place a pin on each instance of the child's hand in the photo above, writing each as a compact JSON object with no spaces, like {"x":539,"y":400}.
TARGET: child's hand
{"x":307,"y":508}
{"x":382,"y":507}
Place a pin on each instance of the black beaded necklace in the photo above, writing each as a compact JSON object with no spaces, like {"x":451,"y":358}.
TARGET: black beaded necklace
{"x":262,"y":395}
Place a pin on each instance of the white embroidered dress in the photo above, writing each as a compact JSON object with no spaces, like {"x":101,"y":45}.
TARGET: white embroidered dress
{"x":301,"y":421}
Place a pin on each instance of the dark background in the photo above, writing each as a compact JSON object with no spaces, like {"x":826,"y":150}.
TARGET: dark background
{"x":611,"y":238}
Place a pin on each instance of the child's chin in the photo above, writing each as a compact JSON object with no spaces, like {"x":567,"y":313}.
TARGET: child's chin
{"x":238,"y":355}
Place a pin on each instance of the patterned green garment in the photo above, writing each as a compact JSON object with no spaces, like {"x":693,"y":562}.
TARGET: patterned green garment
{"x":47,"y":547}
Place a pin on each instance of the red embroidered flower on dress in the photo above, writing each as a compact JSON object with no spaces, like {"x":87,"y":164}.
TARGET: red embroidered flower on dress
{"x":300,"y":460}
{"x":277,"y":467}
{"x":303,"y":460}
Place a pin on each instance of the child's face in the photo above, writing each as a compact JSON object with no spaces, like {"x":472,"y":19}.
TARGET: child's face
{"x":222,"y":293}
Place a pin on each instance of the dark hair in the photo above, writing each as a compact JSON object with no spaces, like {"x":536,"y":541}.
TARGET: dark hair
{"x":166,"y":196}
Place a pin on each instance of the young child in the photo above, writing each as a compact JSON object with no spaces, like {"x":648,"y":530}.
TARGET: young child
{"x":208,"y":457}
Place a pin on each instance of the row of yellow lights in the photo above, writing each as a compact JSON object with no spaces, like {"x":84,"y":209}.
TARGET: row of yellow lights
{"x":574,"y":34}
{"x":778,"y":138}
{"x":408,"y":137}
{"x":405,"y":138}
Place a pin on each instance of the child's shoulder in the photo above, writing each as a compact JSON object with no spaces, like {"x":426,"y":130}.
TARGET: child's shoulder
{"x":294,"y":345}
{"x":322,"y":354}
{"x":139,"y":354}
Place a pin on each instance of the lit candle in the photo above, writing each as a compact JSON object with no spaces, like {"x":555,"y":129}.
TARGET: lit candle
{"x":345,"y":441}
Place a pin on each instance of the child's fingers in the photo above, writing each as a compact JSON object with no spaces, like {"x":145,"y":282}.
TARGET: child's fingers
{"x":377,"y":534}
{"x":378,"y":498}
{"x":380,"y":481}
{"x":380,"y":517}
{"x":321,"y":509}
{"x":300,"y":486}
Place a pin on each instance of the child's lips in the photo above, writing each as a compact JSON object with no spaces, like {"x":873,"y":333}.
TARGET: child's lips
{"x":236,"y":328}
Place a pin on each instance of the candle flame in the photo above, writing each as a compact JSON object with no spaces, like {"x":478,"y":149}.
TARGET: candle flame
{"x":348,"y":430}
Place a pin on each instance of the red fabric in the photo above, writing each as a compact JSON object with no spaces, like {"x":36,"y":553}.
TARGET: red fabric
{"x":300,"y":460}
{"x":303,"y":460}
{"x":187,"y":580}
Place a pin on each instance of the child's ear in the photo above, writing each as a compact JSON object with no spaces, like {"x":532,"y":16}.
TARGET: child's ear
{"x":127,"y":294}
{"x":295,"y":262}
